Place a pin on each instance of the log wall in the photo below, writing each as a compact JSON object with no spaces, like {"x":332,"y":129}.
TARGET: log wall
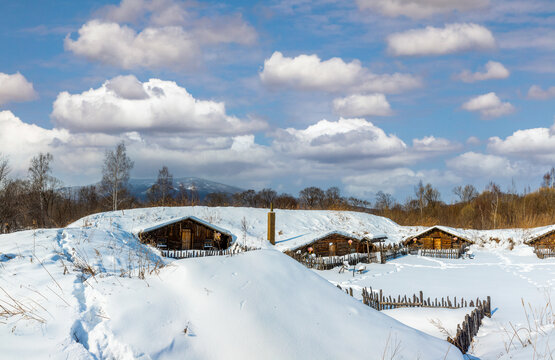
{"x":322,"y":247}
{"x":186,"y":235}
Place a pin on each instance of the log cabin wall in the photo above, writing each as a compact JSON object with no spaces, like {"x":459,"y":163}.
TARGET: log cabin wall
{"x":187,"y":235}
{"x":437,"y":239}
{"x":544,"y":241}
{"x":322,"y":246}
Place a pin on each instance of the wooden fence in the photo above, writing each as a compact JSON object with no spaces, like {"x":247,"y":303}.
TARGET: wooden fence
{"x":544,"y":253}
{"x":442,"y":253}
{"x":465,"y":331}
{"x":329,"y":262}
{"x":379,"y":301}
{"x":393,"y":253}
{"x":186,"y":254}
{"x":470,"y":326}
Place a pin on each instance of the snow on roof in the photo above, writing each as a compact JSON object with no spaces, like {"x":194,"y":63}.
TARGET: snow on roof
{"x":535,"y":233}
{"x":294,"y":228}
{"x":187,"y":217}
{"x":460,"y":233}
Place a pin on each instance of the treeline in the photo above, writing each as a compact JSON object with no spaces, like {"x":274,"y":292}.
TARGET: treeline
{"x":40,"y":200}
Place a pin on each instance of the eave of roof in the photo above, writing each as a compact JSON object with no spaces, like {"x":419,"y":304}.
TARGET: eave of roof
{"x":188,"y":217}
{"x":449,"y":230}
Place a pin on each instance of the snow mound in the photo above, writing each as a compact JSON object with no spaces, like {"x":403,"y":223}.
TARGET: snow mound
{"x":259,"y":304}
{"x":294,"y":228}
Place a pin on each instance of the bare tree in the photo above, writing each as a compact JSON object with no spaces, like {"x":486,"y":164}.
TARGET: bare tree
{"x":312,"y":197}
{"x":384,"y":201}
{"x":115,"y":173}
{"x":42,"y":183}
{"x":466,"y":193}
{"x":4,"y":169}
{"x":161,"y":190}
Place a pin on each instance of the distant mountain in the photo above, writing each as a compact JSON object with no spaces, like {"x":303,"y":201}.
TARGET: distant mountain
{"x":139,"y":187}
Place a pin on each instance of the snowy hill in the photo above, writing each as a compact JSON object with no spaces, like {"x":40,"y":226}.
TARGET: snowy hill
{"x":97,"y":293}
{"x":293,"y":227}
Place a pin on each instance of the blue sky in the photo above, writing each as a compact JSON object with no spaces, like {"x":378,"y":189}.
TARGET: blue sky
{"x":366,"y":95}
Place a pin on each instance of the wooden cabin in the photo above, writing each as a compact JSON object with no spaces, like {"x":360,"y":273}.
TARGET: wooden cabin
{"x":543,"y":241}
{"x":437,"y":238}
{"x":337,"y":244}
{"x":544,"y":244}
{"x":187,"y":233}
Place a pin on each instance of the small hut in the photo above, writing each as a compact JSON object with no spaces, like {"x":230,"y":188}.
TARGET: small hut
{"x":187,"y":233}
{"x":338,"y":243}
{"x":438,"y":238}
{"x":544,"y":242}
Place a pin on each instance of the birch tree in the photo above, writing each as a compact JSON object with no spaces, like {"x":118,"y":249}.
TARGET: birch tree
{"x":115,"y":173}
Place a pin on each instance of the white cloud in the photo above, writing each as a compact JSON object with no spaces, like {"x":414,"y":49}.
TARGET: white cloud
{"x":339,"y":141}
{"x":121,"y":46}
{"x":172,"y":37}
{"x":119,"y":106}
{"x":15,"y":88}
{"x":418,"y":9}
{"x":309,"y":72}
{"x":494,"y":70}
{"x":126,"y":11}
{"x":391,"y":180}
{"x":489,"y":105}
{"x":439,"y":41}
{"x":431,"y":144}
{"x":484,"y":165}
{"x":362,"y":105}
{"x":355,"y":143}
{"x":127,"y":87}
{"x":473,"y":140}
{"x":534,"y":145}
{"x":537,"y":93}
{"x":78,"y":156}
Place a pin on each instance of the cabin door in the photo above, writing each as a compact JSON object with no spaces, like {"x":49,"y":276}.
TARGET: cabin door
{"x":437,"y":243}
{"x":332,"y":249}
{"x":186,"y":239}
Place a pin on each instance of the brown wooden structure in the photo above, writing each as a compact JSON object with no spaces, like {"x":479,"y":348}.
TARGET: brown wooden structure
{"x":544,"y":244}
{"x":187,"y":233}
{"x":437,"y":238}
{"x":546,"y":240}
{"x":337,"y":244}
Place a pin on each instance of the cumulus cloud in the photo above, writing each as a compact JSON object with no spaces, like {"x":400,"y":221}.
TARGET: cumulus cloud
{"x":537,"y":93}
{"x":124,"y":104}
{"x":484,"y":165}
{"x":354,"y":142}
{"x":489,"y":105}
{"x":123,"y":47}
{"x":172,"y":37}
{"x":127,"y":87}
{"x":79,"y":156}
{"x":338,"y":141}
{"x":534,"y":145}
{"x":362,"y":105}
{"x":439,"y":41}
{"x":494,"y":70}
{"x":15,"y":88}
{"x":418,"y":9}
{"x":309,"y":72}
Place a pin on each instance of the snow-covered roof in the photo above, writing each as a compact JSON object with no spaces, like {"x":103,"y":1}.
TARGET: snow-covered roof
{"x":538,"y":232}
{"x":187,"y":217}
{"x":460,"y":233}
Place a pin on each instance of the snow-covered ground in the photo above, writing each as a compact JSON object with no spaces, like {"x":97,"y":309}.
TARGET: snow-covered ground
{"x":511,"y":278}
{"x":259,"y":304}
{"x":92,"y":291}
